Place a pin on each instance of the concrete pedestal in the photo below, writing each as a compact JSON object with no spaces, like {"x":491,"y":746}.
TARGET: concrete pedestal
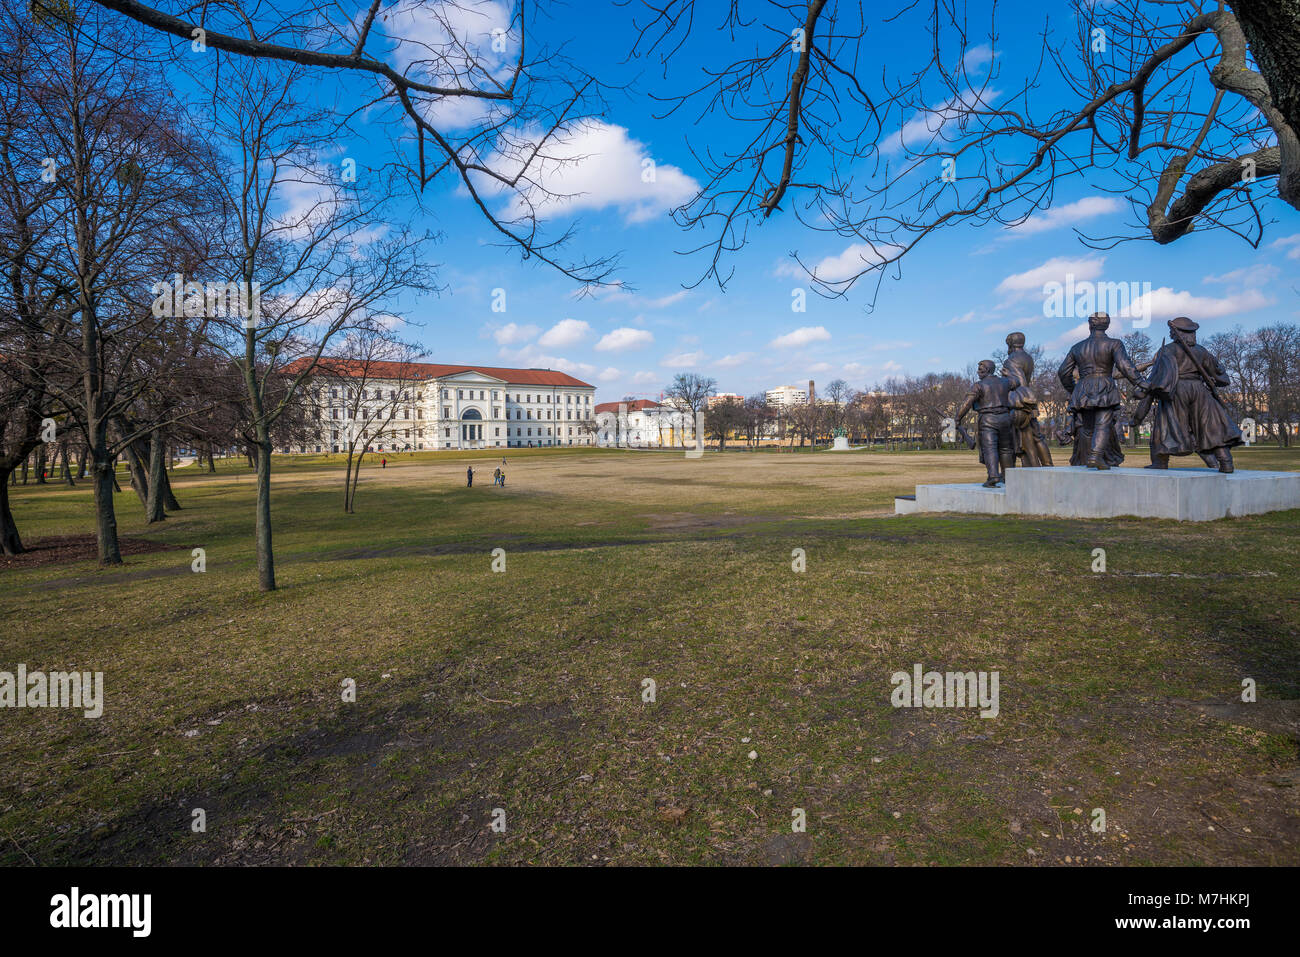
{"x":1188,"y":495}
{"x":841,"y":444}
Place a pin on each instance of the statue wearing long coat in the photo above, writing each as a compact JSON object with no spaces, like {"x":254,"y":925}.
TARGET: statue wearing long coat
{"x":1189,"y":419}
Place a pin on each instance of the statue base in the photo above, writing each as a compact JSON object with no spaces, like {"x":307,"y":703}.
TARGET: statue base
{"x":841,"y":444}
{"x":1186,"y":495}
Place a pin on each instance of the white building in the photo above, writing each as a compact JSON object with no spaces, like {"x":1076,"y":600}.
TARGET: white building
{"x":783,"y":397}
{"x":429,"y":406}
{"x":641,"y":423}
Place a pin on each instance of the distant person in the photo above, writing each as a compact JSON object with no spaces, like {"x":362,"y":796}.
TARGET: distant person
{"x":503,"y":479}
{"x":469,"y":477}
{"x":383,"y":463}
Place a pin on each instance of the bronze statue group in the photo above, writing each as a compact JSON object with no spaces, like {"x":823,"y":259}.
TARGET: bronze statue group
{"x":1182,"y":383}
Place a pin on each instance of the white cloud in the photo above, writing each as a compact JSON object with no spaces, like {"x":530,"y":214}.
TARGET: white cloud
{"x":1289,"y":243}
{"x":624,"y":338}
{"x":450,"y":44}
{"x":609,"y":375}
{"x":1256,"y":275}
{"x":511,"y":334}
{"x":618,"y":292}
{"x":1166,"y":303}
{"x":800,"y":337}
{"x":977,"y":57}
{"x":687,"y":359}
{"x":530,"y":358}
{"x":735,"y":359}
{"x":566,"y":332}
{"x":1068,"y":215}
{"x":644,"y":378}
{"x":896,"y":344}
{"x":958,"y":320}
{"x":845,"y":265}
{"x":593,"y":165}
{"x":923,"y":127}
{"x":1031,"y":281}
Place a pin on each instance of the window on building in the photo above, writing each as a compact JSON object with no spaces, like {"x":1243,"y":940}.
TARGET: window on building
{"x":446,"y":412}
{"x":496,"y":411}
{"x":446,"y":433}
{"x":496,"y":432}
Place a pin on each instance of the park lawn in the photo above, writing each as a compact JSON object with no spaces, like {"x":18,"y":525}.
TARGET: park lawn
{"x":522,"y":690}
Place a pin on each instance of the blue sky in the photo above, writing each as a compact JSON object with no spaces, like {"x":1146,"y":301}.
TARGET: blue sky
{"x":959,"y":293}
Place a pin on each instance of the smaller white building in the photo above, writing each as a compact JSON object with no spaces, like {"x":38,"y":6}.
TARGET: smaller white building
{"x":641,"y":424}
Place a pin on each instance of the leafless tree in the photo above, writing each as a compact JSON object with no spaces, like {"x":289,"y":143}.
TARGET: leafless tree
{"x":1195,"y":104}
{"x":127,"y":199}
{"x":375,"y":376}
{"x":303,"y":274}
{"x":476,"y":102}
{"x":688,"y":394}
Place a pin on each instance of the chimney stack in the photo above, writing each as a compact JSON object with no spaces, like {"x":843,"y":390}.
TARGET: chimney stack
{"x":812,"y":392}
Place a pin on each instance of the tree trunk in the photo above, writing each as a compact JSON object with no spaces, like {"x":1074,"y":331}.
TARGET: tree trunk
{"x":265,"y":559}
{"x":168,"y":497}
{"x":153,"y":506}
{"x":67,"y":468}
{"x":105,"y":516}
{"x":11,"y":543}
{"x":1272,"y":29}
{"x":40,"y":464}
{"x":136,"y":457}
{"x":212,"y":462}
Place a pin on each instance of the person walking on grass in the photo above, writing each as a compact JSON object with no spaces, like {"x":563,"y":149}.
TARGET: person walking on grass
{"x":469,"y":477}
{"x":383,"y":463}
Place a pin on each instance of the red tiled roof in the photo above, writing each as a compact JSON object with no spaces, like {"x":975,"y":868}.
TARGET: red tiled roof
{"x":434,"y":370}
{"x":636,"y":405}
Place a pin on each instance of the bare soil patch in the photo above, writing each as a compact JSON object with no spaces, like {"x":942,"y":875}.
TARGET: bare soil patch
{"x":61,"y":549}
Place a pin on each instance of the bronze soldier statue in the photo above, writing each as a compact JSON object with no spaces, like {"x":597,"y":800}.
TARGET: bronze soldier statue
{"x":1190,"y":416}
{"x":1030,"y":443}
{"x":991,"y":398}
{"x":1094,"y":396}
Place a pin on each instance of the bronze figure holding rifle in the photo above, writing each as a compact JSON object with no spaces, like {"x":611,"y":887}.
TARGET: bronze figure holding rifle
{"x":1190,"y":416}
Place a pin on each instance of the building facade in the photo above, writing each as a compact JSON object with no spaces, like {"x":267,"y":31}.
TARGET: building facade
{"x":640,"y":423}
{"x":423,"y":406}
{"x":783,"y":397}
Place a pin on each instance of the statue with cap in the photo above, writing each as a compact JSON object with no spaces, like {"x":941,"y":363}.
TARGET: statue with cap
{"x":1088,"y":374}
{"x":1190,"y":416}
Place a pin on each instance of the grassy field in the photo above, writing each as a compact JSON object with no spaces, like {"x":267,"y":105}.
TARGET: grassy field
{"x":522,"y":690}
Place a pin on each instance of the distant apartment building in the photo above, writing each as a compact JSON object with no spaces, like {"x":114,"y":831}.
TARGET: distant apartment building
{"x":783,"y":397}
{"x":713,"y":400}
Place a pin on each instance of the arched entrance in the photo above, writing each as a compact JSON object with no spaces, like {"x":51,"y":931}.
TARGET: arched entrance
{"x":471,"y":427}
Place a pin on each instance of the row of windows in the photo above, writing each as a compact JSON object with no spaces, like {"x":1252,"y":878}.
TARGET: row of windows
{"x":569,"y":398}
